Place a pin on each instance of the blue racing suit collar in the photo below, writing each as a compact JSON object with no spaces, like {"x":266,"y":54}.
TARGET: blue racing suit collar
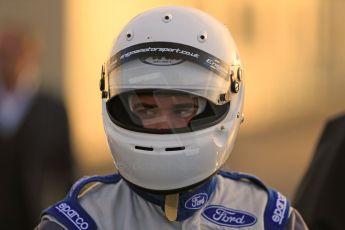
{"x":190,"y":201}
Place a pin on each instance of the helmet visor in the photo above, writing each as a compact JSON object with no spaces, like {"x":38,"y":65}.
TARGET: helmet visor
{"x":162,"y":65}
{"x":162,"y":92}
{"x":186,"y":77}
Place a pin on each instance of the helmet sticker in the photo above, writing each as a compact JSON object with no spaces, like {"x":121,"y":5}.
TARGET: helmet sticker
{"x":162,"y":61}
{"x":170,"y":51}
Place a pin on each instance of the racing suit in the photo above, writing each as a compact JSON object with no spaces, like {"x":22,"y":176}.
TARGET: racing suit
{"x":224,"y":201}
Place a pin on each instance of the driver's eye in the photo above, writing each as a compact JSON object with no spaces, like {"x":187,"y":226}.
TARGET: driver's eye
{"x":184,"y":112}
{"x":145,"y":112}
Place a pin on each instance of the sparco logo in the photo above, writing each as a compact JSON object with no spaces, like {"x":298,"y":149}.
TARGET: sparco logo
{"x":196,"y":201}
{"x":72,"y":215}
{"x":228,"y":217}
{"x":278,"y":213}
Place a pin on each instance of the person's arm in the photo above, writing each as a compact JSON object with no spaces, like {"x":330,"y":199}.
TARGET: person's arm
{"x":296,"y":221}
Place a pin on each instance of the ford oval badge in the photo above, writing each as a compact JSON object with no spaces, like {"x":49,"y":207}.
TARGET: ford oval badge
{"x":223,"y":216}
{"x":196,"y":201}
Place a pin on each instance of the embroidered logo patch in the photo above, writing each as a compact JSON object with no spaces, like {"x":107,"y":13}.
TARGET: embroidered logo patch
{"x":223,"y":216}
{"x":72,"y":215}
{"x":196,"y":201}
{"x":278,"y":214}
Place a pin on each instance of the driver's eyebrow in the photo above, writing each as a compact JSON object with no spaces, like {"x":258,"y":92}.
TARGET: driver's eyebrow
{"x":145,"y":105}
{"x":185,"y":105}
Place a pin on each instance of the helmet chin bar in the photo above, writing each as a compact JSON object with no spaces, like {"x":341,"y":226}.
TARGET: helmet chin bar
{"x":172,"y":191}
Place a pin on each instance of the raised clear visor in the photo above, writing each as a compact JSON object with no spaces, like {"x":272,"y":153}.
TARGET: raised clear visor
{"x":170,"y":74}
{"x":165,"y":90}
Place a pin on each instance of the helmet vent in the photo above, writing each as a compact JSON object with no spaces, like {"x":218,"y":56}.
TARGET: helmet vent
{"x":202,"y":36}
{"x":167,"y":17}
{"x":129,"y":35}
{"x":175,"y":148}
{"x":144,"y":148}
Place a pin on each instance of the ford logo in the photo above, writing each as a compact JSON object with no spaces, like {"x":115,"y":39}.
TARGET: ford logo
{"x":196,"y":201}
{"x":228,"y":217}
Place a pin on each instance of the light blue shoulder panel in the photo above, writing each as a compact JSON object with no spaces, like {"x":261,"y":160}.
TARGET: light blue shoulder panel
{"x":277,"y":210}
{"x":70,"y":213}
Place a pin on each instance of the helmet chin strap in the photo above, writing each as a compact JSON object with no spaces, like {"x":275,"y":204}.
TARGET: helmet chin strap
{"x":171,"y":206}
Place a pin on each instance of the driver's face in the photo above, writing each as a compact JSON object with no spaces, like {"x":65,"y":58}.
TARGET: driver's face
{"x":164,"y":111}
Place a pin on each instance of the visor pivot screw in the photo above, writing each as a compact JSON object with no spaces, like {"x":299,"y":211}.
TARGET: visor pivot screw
{"x":239,"y":74}
{"x":129,"y":35}
{"x":240,"y":116}
{"x":167,"y":18}
{"x":222,"y":128}
{"x":222,"y":98}
{"x":102,"y":83}
{"x":202,"y":36}
{"x":104,"y":94}
{"x":235,"y":86}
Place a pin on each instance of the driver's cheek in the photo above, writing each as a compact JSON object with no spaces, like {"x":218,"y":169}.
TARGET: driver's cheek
{"x":158,"y":122}
{"x":178,"y":122}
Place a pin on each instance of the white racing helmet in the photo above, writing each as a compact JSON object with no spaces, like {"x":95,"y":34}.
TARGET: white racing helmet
{"x":174,"y":51}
